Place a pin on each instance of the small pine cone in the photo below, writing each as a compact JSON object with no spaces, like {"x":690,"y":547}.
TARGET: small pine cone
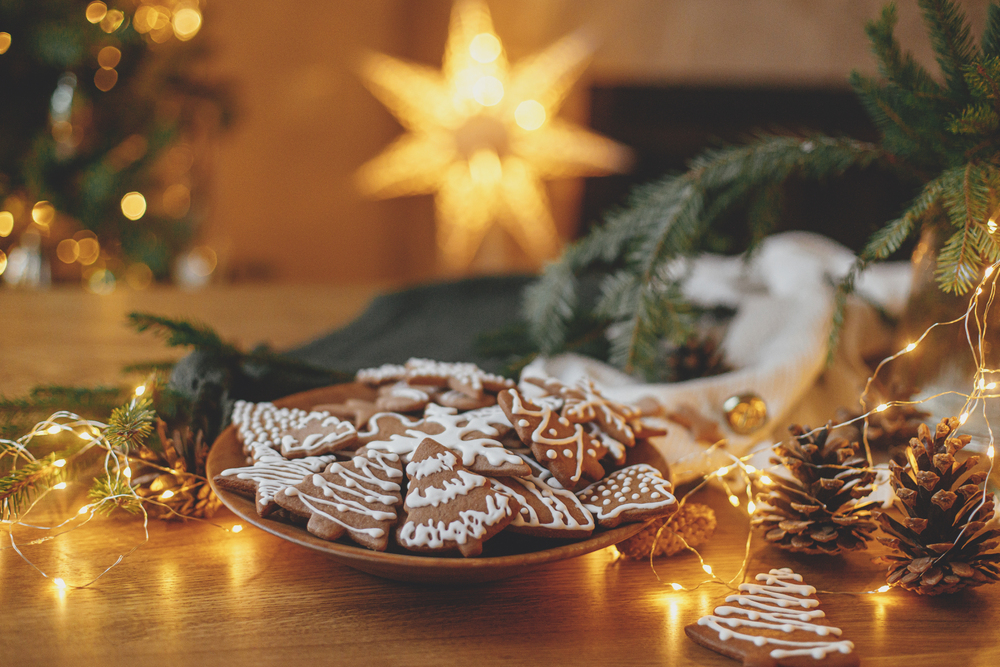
{"x":695,"y":358}
{"x":942,"y":544}
{"x":693,"y":521}
{"x":816,"y":512}
{"x":888,"y":431}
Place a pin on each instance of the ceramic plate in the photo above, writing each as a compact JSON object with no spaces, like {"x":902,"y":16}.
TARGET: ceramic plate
{"x":506,"y":555}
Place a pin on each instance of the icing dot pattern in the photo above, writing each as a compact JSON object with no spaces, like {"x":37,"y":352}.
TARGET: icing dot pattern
{"x":633,"y":493}
{"x":293,"y":432}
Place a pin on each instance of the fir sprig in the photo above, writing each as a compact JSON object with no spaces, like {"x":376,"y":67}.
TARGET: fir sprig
{"x":130,"y":425}
{"x":20,"y":485}
{"x":946,"y":137}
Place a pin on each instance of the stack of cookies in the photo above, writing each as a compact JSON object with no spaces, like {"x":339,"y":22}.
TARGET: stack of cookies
{"x":445,"y":457}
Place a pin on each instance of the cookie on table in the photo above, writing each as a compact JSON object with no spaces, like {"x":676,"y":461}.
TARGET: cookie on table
{"x":268,"y":476}
{"x":634,"y":493}
{"x":358,"y":497}
{"x":571,"y":455}
{"x":546,"y":511}
{"x":471,"y":435}
{"x":774,"y":622}
{"x":448,"y":507}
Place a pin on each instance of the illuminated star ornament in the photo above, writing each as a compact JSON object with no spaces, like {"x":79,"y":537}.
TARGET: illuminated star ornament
{"x":482,"y":136}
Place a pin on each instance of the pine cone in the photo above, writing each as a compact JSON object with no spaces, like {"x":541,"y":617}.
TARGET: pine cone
{"x":174,"y":476}
{"x":816,"y":512}
{"x":890,"y":430}
{"x":695,"y":358}
{"x":942,"y":544}
{"x":693,"y":521}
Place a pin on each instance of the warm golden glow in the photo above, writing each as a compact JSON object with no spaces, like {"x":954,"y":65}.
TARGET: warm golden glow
{"x":529,"y":115}
{"x":89,"y":250}
{"x":488,"y":91}
{"x":43,"y":213}
{"x":177,"y":200}
{"x":4,"y":42}
{"x":59,"y":463}
{"x":203,"y":261}
{"x":68,"y":251}
{"x":166,"y":495}
{"x":112,"y":21}
{"x":187,"y":23}
{"x":60,"y":486}
{"x":6,"y":223}
{"x":485,"y":47}
{"x":109,"y":57}
{"x":96,"y":11}
{"x":138,"y":276}
{"x":102,"y":282}
{"x":133,"y":205}
{"x":3,"y":262}
{"x":105,"y":79}
{"x":465,"y":144}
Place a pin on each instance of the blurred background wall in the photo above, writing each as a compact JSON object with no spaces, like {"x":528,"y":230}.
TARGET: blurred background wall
{"x":283,"y":204}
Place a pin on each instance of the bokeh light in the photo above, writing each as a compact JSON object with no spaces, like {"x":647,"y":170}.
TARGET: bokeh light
{"x":3,"y":262}
{"x":484,"y":47}
{"x":187,"y":23}
{"x":4,"y":41}
{"x":105,"y":79}
{"x":529,"y":115}
{"x":109,"y":57}
{"x":488,"y":91}
{"x":6,"y":223}
{"x":112,"y":21}
{"x":68,"y":251}
{"x":138,"y":276}
{"x":100,"y":281}
{"x":177,"y":200}
{"x":96,"y":11}
{"x":133,"y":205}
{"x":43,"y":213}
{"x":89,"y":247}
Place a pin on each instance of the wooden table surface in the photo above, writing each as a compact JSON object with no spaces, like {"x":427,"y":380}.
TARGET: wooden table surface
{"x":196,"y":594}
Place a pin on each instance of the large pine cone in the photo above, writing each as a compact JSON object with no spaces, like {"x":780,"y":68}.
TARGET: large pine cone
{"x":817,"y":512}
{"x":942,"y":544}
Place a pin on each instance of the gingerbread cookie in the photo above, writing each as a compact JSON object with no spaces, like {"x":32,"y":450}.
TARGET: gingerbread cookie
{"x":634,"y":493}
{"x":358,"y":497}
{"x":546,"y":511}
{"x":268,"y":476}
{"x":469,"y":434}
{"x":448,"y":507}
{"x":466,"y":378}
{"x":560,"y":445}
{"x":381,"y":375}
{"x":450,"y":398}
{"x":401,"y":397}
{"x":295,"y":433}
{"x":357,"y":410}
{"x":774,"y":623}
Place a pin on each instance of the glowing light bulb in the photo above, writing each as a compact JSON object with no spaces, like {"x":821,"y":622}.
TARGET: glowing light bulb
{"x":979,"y":290}
{"x":883,"y":589}
{"x":750,"y":470}
{"x":990,"y":451}
{"x":84,"y":509}
{"x":991,"y":385}
{"x":529,"y":115}
{"x":127,"y":472}
{"x":166,"y":495}
{"x":60,"y":486}
{"x":488,"y":91}
{"x":52,"y":430}
{"x":751,"y":507}
{"x":989,"y":269}
{"x":186,"y":23}
{"x":765,"y":480}
{"x":59,"y":463}
{"x":237,"y":528}
{"x":882,"y":408}
{"x":6,"y":223}
{"x":707,"y":568}
{"x":60,"y":584}
{"x":140,"y":390}
{"x":911,"y":347}
{"x":991,"y":227}
{"x":133,"y":205}
{"x":485,"y":47}
{"x":722,"y":472}
{"x":962,"y":418}
{"x":981,"y":384}
{"x":734,"y":501}
{"x":677,"y":587}
{"x":83,"y":435}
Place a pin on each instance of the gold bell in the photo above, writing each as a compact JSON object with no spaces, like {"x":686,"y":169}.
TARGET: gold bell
{"x":745,"y":412}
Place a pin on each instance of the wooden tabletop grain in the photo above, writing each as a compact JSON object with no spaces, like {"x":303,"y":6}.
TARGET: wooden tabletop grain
{"x":196,"y":594}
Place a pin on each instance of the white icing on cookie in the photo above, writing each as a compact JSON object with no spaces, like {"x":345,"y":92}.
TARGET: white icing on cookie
{"x":559,"y":502}
{"x":471,"y":524}
{"x":468,"y":375}
{"x":637,"y":487}
{"x":456,"y":428}
{"x":767,"y":608}
{"x":261,"y":425}
{"x":576,"y":444}
{"x":381,"y":375}
{"x":273,"y":474}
